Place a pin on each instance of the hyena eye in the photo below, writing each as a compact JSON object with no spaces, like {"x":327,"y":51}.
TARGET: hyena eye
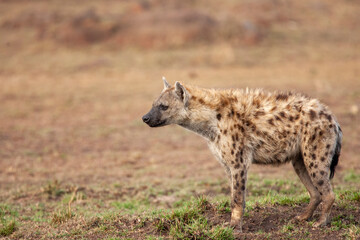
{"x":163,"y":107}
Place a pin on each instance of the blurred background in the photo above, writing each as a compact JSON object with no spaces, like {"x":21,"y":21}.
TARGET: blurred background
{"x":76,"y":77}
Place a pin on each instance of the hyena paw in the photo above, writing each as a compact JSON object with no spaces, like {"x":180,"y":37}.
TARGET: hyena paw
{"x":302,"y":217}
{"x":236,"y":225}
{"x":320,"y":223}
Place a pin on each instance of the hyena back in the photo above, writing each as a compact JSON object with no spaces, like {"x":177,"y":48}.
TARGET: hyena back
{"x":254,"y":126}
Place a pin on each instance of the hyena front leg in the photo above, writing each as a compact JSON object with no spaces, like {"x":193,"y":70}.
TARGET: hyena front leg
{"x":238,"y":187}
{"x":300,"y":169}
{"x":239,"y":169}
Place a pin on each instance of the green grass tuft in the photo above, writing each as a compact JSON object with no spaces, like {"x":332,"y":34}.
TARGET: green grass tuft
{"x":7,"y":220}
{"x":7,"y":228}
{"x":224,"y":206}
{"x":189,"y":222}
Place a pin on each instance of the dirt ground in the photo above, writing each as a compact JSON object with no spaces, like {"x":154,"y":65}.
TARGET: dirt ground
{"x":76,"y":79}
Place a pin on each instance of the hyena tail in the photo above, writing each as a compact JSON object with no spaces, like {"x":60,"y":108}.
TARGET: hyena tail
{"x":335,"y":159}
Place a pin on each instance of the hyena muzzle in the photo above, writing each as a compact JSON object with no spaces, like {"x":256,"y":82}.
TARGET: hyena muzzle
{"x":254,"y":126}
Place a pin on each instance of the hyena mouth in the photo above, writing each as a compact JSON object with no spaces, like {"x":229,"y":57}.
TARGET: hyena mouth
{"x":159,"y":124}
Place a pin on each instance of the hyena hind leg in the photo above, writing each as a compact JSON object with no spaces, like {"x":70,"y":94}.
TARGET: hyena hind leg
{"x":315,"y":198}
{"x":319,"y":174}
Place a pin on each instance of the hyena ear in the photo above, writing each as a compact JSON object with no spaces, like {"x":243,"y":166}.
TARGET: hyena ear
{"x":182,"y":93}
{"x":166,"y":84}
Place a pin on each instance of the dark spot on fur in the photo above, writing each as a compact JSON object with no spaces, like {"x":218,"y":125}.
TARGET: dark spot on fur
{"x":314,"y":174}
{"x":256,"y":103}
{"x":329,"y":118}
{"x":282,"y":97}
{"x":232,"y":152}
{"x":259,"y":113}
{"x":243,"y":188}
{"x":242,"y":129}
{"x":313,"y":156}
{"x":237,"y":166}
{"x":323,"y":159}
{"x":304,"y":154}
{"x":315,"y":166}
{"x":322,"y":172}
{"x":327,"y":146}
{"x":291,"y":118}
{"x":311,"y":165}
{"x":242,"y":173}
{"x":326,"y":154}
{"x":282,"y":114}
{"x":218,"y":116}
{"x":321,"y":133}
{"x":234,"y":145}
{"x":237,"y":137}
{"x":271,"y":121}
{"x":320,"y":183}
{"x":243,"y":181}
{"x":273,"y":108}
{"x":277,"y":118}
{"x":225,"y":132}
{"x":297,"y":117}
{"x":201,"y":101}
{"x":306,"y":124}
{"x":224,"y":102}
{"x":312,"y":114}
{"x":330,"y":125}
{"x":315,"y":147}
{"x":238,"y":115}
{"x":312,"y":138}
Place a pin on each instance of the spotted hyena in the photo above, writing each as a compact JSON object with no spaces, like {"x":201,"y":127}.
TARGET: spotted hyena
{"x":254,"y":126}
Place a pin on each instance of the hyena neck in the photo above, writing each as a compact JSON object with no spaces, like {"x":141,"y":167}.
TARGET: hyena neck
{"x":204,"y":128}
{"x":201,"y":117}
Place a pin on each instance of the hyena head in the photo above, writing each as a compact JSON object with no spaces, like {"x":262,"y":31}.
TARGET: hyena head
{"x":169,"y":107}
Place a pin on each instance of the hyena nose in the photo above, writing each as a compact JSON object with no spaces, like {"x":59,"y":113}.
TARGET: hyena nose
{"x":146,"y":119}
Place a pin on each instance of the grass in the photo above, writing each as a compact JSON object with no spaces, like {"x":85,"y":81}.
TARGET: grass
{"x":188,"y":222}
{"x":188,"y":217}
{"x":7,"y":216}
{"x":351,"y":176}
{"x":7,"y":228}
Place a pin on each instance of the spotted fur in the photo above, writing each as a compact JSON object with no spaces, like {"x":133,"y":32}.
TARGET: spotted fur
{"x":254,"y":126}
